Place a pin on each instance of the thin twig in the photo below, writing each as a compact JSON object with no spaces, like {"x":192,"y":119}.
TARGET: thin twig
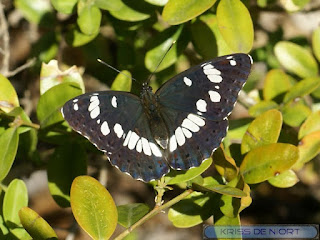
{"x":28,"y":64}
{"x":5,"y":49}
{"x":154,"y":212}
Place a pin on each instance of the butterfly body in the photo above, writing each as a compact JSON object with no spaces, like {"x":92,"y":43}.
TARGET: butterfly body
{"x":177,"y":127}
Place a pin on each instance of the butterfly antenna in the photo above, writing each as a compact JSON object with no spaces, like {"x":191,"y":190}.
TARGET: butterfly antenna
{"x":113,"y":68}
{"x":164,"y":55}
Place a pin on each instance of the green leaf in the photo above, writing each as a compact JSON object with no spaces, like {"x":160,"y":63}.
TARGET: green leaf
{"x":132,"y":11}
{"x":93,"y":207}
{"x":238,"y":127}
{"x":76,"y":38}
{"x":284,"y":180}
{"x":231,"y":206}
{"x":64,"y":6}
{"x":296,"y":59}
{"x":157,"y":2}
{"x":50,"y":103}
{"x":122,"y":82}
{"x":225,"y":165}
{"x":265,"y":162}
{"x":316,"y":43}
{"x":33,"y":10}
{"x":264,"y":130}
{"x":46,"y":48}
{"x":15,"y":198}
{"x":302,"y":88}
{"x":311,"y":124}
{"x":176,"y":176}
{"x":89,"y":19}
{"x":35,"y":225}
{"x":8,"y":150}
{"x":294,"y":113}
{"x":129,"y":214}
{"x":160,"y":44}
{"x":276,"y":82}
{"x":235,"y":25}
{"x":227,"y":221}
{"x":51,"y":76}
{"x":180,"y":11}
{"x":110,"y":5}
{"x":309,"y":147}
{"x":262,"y":107}
{"x":192,"y":210}
{"x":20,"y":116}
{"x":221,"y":189}
{"x":8,"y":96}
{"x":66,"y":163}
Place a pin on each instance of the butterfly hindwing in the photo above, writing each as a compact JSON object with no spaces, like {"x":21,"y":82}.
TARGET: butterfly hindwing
{"x":114,"y":122}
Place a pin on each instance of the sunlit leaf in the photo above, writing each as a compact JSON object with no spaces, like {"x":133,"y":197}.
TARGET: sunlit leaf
{"x":235,"y":25}
{"x":93,"y":207}
{"x":8,"y":96}
{"x":179,"y":11}
{"x":275,"y":83}
{"x":129,"y":214}
{"x":284,"y":180}
{"x":311,"y":124}
{"x":296,"y":59}
{"x":265,"y":162}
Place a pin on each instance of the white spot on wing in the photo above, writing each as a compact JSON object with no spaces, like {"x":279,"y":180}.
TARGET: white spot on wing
{"x":76,"y":107}
{"x":133,"y":140}
{"x":180,"y":136}
{"x":98,"y":121}
{"x":146,"y":147}
{"x":95,"y":112}
{"x":126,"y":141}
{"x":214,"y":96}
{"x":197,"y":120}
{"x":155,"y":150}
{"x":208,"y":66}
{"x":188,"y":124}
{"x":187,"y":81}
{"x":75,"y":100}
{"x":233,"y":63}
{"x":187,"y":133}
{"x":173,"y":143}
{"x":139,"y":146}
{"x":94,"y":98}
{"x":118,"y":130}
{"x":114,"y":102}
{"x":230,"y":57}
{"x":201,"y":105}
{"x":105,"y":130}
{"x":212,"y":71}
{"x":214,"y":78}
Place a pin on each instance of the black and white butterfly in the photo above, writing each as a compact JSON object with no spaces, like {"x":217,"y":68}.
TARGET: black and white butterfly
{"x":177,"y":127}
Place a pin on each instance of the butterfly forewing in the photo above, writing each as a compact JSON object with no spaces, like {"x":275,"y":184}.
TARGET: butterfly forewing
{"x":209,"y":89}
{"x":114,"y":122}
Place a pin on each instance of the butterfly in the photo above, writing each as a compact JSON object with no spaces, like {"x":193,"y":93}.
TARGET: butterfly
{"x":177,"y":127}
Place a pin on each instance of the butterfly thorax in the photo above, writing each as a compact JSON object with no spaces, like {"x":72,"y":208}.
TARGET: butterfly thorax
{"x":152,"y":110}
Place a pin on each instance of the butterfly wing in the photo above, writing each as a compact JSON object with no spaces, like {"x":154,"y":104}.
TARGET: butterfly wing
{"x":195,"y":105}
{"x":114,"y":122}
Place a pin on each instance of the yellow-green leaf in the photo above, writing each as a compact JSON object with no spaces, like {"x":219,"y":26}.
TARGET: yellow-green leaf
{"x":265,"y":162}
{"x":302,"y":88}
{"x":294,"y":113}
{"x":93,"y":207}
{"x":262,"y":107}
{"x":316,"y":43}
{"x":8,"y":96}
{"x":122,"y":82}
{"x":35,"y":225}
{"x":180,"y":11}
{"x":311,"y":124}
{"x":264,"y":130}
{"x":132,"y":11}
{"x":296,"y":59}
{"x":284,"y":180}
{"x":9,"y":144}
{"x":309,"y":147}
{"x":235,"y":25}
{"x":275,"y":83}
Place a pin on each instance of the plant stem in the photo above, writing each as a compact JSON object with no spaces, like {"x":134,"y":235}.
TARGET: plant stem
{"x":154,"y":212}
